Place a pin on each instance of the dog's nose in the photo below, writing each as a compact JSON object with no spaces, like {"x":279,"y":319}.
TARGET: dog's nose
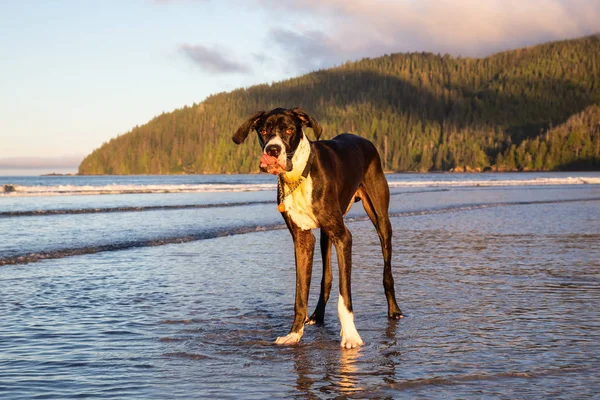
{"x":273,"y":150}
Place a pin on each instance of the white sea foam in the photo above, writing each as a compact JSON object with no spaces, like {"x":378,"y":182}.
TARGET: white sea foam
{"x":68,"y":190}
{"x":13,"y":190}
{"x":487,"y":183}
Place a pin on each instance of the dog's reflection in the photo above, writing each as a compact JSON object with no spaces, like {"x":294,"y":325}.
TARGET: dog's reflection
{"x":323,"y":369}
{"x":348,"y":369}
{"x":326,"y":370}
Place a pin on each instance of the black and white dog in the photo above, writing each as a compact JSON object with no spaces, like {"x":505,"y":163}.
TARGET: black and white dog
{"x":318,"y":183}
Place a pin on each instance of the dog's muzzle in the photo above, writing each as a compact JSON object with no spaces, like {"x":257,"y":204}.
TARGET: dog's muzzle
{"x":274,"y":165}
{"x":274,"y":159}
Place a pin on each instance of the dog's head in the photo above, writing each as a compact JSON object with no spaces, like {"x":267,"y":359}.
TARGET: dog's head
{"x":279,"y":134}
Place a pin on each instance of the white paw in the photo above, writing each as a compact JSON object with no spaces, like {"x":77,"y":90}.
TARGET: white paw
{"x":292,"y":338}
{"x":350,"y":337}
{"x":350,"y":341}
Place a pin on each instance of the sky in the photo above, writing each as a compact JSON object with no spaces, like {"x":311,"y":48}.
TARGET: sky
{"x":76,"y":73}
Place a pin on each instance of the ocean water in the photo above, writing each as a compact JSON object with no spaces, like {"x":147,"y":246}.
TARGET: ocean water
{"x":177,"y":286}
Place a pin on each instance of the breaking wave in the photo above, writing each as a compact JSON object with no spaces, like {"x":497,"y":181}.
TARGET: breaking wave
{"x":70,"y":190}
{"x":498,"y":183}
{"x":62,"y":253}
{"x":37,"y":213}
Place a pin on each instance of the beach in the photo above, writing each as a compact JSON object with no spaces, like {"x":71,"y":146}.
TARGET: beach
{"x":177,"y":287}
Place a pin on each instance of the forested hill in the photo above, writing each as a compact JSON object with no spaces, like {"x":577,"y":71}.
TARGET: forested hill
{"x":528,"y":109}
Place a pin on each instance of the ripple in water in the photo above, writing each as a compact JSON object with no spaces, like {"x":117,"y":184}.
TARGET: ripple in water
{"x":501,"y":302}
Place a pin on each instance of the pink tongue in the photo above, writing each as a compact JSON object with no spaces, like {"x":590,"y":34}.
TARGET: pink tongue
{"x":270,"y":164}
{"x":267,"y":161}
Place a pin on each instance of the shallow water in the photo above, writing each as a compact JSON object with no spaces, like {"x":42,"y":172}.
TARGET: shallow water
{"x":500,"y":288}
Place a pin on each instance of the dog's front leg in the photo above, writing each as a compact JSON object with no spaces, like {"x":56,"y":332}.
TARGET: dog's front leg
{"x":304,"y":247}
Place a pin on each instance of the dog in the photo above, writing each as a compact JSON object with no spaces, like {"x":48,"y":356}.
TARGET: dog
{"x":318,"y":181}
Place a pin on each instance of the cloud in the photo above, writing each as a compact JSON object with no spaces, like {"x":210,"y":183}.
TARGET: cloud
{"x":308,"y":50}
{"x":361,"y":28}
{"x":311,"y":34}
{"x":212,"y":60}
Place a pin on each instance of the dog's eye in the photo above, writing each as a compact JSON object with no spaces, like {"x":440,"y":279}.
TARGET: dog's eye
{"x":289,"y":131}
{"x":263,"y":132}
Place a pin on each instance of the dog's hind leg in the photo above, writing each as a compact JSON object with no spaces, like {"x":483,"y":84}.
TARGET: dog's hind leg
{"x":319,"y":315}
{"x":375,"y":199}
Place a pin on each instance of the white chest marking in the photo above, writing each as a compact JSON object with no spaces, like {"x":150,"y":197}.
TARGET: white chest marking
{"x":298,"y":206}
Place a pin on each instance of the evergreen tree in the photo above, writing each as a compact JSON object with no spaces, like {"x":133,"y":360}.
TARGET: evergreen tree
{"x":527,"y":109}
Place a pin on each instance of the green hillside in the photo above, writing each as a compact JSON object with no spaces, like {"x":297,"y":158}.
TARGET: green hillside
{"x":525,"y":109}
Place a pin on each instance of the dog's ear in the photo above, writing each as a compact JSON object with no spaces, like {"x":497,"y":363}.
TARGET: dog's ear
{"x":240,"y":135}
{"x":307,"y":120}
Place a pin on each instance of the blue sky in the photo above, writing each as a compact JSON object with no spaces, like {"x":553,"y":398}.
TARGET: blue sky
{"x":75,"y":73}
